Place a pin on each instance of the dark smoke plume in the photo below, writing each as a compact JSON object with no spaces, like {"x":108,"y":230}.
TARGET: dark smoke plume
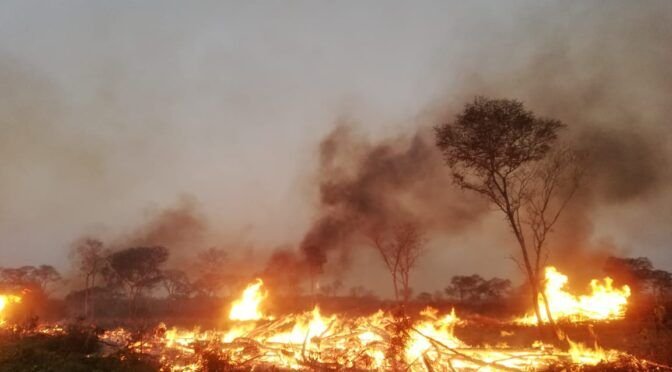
{"x":364,"y":184}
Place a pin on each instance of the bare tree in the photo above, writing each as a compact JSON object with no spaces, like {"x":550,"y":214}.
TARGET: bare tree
{"x":90,"y":256}
{"x":399,"y":247}
{"x":504,"y":152}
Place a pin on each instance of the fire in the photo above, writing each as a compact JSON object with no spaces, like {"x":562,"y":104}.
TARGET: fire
{"x":305,"y":329}
{"x":581,"y":354}
{"x":4,"y":301}
{"x":604,"y":302}
{"x":314,"y":341}
{"x":434,"y":328}
{"x":247,"y":306}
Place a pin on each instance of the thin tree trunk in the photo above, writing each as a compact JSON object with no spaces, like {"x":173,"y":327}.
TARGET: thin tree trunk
{"x":396,"y":287}
{"x":92,"y":305}
{"x":534,"y":284}
{"x":86,"y":297}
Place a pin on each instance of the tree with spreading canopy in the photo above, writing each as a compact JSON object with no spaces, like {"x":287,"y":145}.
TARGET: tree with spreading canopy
{"x":476,"y":288}
{"x":138,"y":269}
{"x":504,"y":152}
{"x":29,"y":277}
{"x":176,"y":283}
{"x":640,"y":275}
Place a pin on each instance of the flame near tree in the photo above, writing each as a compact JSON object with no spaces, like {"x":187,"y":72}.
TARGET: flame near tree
{"x":312,"y":341}
{"x":504,"y":152}
{"x":603,"y":303}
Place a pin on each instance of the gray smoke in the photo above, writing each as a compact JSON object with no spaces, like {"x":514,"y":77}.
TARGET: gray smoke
{"x":365,"y":184}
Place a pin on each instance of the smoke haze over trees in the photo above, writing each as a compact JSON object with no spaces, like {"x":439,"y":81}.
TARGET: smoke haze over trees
{"x":95,"y":143}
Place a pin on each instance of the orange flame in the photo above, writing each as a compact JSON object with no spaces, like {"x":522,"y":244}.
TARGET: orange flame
{"x":247,"y":306}
{"x":605,"y":302}
{"x":4,"y":301}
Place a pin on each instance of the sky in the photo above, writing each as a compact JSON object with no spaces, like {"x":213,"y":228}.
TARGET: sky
{"x":113,"y":111}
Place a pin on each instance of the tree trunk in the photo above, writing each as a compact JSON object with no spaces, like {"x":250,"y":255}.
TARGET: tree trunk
{"x":535,"y":301}
{"x":92,"y":301}
{"x":86,"y":297}
{"x":532,"y":278}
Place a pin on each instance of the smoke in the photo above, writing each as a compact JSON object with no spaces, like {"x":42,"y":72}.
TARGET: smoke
{"x":365,"y":184}
{"x":110,"y":109}
{"x":605,"y":74}
{"x":181,"y":228}
{"x":624,"y":164}
{"x":577,"y":69}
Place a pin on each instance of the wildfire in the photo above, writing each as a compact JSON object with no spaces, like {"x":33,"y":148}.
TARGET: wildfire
{"x":247,"y":306}
{"x":313,"y":341}
{"x":604,"y":302}
{"x":4,"y":301}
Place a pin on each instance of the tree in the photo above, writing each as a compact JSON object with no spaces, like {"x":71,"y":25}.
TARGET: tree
{"x":210,"y":264}
{"x":635,"y":272}
{"x":44,"y":275}
{"x":138,"y":269}
{"x":640,"y":275}
{"x":494,"y":289}
{"x":36,"y":278}
{"x":500,"y":150}
{"x":176,"y":283}
{"x":90,"y":256}
{"x":399,"y":247}
{"x":16,"y":279}
{"x":475,"y":288}
{"x":464,"y":286}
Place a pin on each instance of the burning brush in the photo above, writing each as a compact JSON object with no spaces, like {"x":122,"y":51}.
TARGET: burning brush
{"x":381,"y":341}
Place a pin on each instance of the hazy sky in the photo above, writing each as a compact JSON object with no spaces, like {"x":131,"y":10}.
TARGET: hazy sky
{"x":113,"y":109}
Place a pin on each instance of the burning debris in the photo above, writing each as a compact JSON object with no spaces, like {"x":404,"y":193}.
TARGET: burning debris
{"x":310,"y":340}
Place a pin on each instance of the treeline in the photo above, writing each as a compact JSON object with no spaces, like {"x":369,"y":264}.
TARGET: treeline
{"x":137,"y":281}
